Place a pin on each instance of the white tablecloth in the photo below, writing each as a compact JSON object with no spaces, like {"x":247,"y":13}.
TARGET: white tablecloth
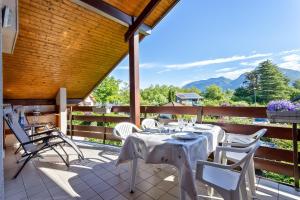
{"x":163,"y":149}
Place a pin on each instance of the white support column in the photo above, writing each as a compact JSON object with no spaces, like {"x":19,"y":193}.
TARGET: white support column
{"x":61,"y":101}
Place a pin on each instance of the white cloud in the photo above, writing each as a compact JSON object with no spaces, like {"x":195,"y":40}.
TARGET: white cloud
{"x":235,"y":73}
{"x":215,"y":61}
{"x":226,"y":69}
{"x":291,"y":62}
{"x":254,"y":63}
{"x":289,"y":51}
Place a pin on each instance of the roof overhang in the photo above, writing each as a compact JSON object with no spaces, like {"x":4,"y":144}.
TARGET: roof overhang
{"x":64,"y":44}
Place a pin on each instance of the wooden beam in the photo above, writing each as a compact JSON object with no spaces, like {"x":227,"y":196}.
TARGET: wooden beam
{"x":134,"y":80}
{"x":140,"y":19}
{"x":112,"y":13}
{"x":74,"y":101}
{"x":32,"y":102}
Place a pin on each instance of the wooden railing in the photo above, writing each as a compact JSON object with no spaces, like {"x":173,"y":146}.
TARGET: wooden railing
{"x":267,"y":158}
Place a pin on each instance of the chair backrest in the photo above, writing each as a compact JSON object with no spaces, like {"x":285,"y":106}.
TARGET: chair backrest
{"x":149,"y":123}
{"x":255,"y":136}
{"x":124,"y":129}
{"x":12,"y":119}
{"x":259,"y":134}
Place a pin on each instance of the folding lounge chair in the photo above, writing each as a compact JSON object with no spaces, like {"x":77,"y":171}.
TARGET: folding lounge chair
{"x":50,"y":132}
{"x":33,"y":147}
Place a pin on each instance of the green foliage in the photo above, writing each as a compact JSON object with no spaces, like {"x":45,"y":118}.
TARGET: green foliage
{"x":278,"y":177}
{"x":171,"y":95}
{"x":155,"y":95}
{"x":272,"y":84}
{"x":296,"y":84}
{"x":242,"y":94}
{"x":108,"y":91}
{"x":263,"y":84}
{"x":294,"y":92}
{"x":214,"y":92}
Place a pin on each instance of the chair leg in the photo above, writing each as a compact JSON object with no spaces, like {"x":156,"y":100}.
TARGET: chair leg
{"x":243,"y":190}
{"x":23,"y":165}
{"x":210,"y":191}
{"x":18,"y":149}
{"x":251,"y":178}
{"x":133,"y":166}
{"x":67,"y":164}
{"x":74,"y":146}
{"x":65,"y":152}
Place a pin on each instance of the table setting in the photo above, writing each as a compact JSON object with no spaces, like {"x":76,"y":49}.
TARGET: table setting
{"x":179,"y":144}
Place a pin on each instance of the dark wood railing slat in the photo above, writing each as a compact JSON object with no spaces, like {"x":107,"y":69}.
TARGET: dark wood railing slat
{"x":273,"y":166}
{"x":273,"y":132}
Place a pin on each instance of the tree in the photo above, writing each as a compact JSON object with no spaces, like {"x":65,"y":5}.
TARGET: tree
{"x":294,"y":93}
{"x":171,"y":95}
{"x":108,"y":91}
{"x":296,"y":84}
{"x":272,"y":84}
{"x":155,"y":95}
{"x":214,"y":92}
{"x":242,"y":94}
{"x":251,"y":80}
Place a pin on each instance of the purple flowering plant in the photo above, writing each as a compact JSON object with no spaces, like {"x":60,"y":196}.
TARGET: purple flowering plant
{"x":282,"y":105}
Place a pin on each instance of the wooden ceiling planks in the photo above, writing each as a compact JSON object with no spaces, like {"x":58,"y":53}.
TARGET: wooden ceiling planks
{"x":133,"y":7}
{"x":62,"y":44}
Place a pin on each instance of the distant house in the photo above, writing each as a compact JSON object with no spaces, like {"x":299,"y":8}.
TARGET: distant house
{"x":89,"y":101}
{"x":188,"y":98}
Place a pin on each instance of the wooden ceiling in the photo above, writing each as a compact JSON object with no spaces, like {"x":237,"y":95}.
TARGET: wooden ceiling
{"x":62,"y":44}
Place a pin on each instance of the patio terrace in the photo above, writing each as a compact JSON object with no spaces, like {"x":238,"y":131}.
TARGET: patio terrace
{"x":97,"y":177}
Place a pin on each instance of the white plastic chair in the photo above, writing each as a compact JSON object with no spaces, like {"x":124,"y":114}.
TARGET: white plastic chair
{"x":230,"y":184}
{"x":124,"y":129}
{"x":149,"y":123}
{"x":237,"y":140}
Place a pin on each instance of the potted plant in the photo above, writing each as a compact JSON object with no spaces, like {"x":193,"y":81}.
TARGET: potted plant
{"x":283,"y":111}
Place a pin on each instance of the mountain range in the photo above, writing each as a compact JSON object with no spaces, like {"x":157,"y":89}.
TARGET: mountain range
{"x":226,"y":83}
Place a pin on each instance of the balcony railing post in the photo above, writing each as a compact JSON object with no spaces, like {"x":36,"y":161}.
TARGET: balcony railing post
{"x":71,"y":123}
{"x":199,"y":115}
{"x":105,"y":129}
{"x":295,"y":155}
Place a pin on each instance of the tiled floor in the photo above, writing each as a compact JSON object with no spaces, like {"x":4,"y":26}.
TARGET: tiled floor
{"x":97,"y":178}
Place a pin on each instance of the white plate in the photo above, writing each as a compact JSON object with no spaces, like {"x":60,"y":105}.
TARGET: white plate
{"x":173,"y":123}
{"x":152,"y":130}
{"x":203,"y":126}
{"x":185,"y":136}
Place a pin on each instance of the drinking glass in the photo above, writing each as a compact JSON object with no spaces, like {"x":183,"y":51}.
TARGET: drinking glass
{"x":180,"y":124}
{"x":193,"y":120}
{"x":160,"y":127}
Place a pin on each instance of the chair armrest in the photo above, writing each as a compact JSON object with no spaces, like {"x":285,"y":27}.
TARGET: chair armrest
{"x":46,"y":132}
{"x":221,"y":151}
{"x":201,"y":163}
{"x":237,"y":135}
{"x":232,"y":149}
{"x":233,"y":144}
{"x":40,"y":139}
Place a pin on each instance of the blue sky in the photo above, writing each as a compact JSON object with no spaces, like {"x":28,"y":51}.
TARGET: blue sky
{"x":201,"y":39}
